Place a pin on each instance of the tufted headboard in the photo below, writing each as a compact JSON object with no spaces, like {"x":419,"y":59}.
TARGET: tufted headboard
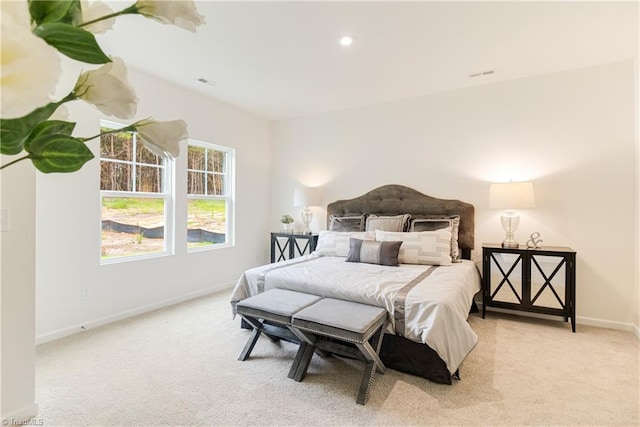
{"x":398,"y":199}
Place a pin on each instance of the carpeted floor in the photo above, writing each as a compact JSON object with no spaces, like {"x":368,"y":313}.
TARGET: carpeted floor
{"x":178,"y":366}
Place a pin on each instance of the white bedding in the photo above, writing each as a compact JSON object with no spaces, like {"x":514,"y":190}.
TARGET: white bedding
{"x":426,"y":304}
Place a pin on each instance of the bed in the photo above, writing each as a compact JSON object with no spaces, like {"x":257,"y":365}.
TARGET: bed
{"x":428,"y":305}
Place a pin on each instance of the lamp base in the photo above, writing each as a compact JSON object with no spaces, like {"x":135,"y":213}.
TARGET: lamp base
{"x":307,"y":216}
{"x":510,"y":221}
{"x":510,"y":244}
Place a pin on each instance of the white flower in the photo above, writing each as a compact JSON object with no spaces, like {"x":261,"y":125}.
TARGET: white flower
{"x":162,"y":138}
{"x":107,"y":89}
{"x":94,"y":10}
{"x":29,"y":67}
{"x":182,"y":13}
{"x":61,"y":113}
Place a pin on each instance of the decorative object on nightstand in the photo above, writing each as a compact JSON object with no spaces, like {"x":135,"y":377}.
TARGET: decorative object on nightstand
{"x":541,"y":280}
{"x":307,"y":197}
{"x":511,"y":196}
{"x":287,"y":221}
{"x":289,"y":245}
{"x":534,"y":241}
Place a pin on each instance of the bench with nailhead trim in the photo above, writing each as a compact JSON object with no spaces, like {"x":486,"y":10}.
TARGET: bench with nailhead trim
{"x":320,"y":324}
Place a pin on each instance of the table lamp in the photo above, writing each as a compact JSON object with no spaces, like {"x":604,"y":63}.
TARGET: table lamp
{"x":306,"y":197}
{"x":510,"y":196}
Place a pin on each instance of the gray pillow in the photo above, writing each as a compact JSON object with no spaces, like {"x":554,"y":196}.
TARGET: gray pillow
{"x":372,"y":252}
{"x":354,"y":222}
{"x":388,"y":223}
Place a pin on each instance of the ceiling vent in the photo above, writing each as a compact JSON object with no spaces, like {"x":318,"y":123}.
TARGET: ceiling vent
{"x":482,"y":73}
{"x":207,"y":82}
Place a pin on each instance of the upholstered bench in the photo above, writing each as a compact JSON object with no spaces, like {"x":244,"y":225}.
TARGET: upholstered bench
{"x":275,"y":306}
{"x":349,"y":322}
{"x":322,"y":324}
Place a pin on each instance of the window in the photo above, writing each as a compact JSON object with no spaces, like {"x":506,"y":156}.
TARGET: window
{"x":135,"y":190}
{"x":209,"y":195}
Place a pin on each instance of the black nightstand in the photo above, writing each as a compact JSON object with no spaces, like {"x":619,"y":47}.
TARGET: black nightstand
{"x":535,"y":280}
{"x":290,"y":245}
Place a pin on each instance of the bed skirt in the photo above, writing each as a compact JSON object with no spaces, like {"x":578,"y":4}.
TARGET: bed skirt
{"x":413,"y":358}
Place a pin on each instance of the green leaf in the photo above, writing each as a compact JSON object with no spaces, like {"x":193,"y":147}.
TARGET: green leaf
{"x":14,"y":132}
{"x":73,"y":42}
{"x":74,"y":15}
{"x":59,"y":153}
{"x":46,"y":129}
{"x":50,"y":11}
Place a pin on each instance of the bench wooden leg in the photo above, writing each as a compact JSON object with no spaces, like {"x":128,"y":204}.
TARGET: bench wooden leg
{"x":301,"y":364}
{"x":365,"y":384}
{"x":376,"y":343}
{"x":303,"y":356}
{"x":258,"y":329}
{"x":248,"y":347}
{"x":371,"y":355}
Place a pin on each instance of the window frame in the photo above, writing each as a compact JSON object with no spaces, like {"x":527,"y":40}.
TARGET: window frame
{"x":229,"y":197}
{"x":168,"y":195}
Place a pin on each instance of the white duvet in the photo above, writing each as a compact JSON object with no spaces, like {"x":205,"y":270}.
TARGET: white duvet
{"x":426,"y":304}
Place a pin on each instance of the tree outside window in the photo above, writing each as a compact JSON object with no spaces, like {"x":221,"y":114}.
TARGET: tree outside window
{"x":135,"y":194}
{"x":209,"y":194}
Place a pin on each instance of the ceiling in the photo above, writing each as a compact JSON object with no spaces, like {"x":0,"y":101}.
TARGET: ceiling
{"x":282,"y":59}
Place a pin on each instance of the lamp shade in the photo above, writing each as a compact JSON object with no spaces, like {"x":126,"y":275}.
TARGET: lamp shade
{"x":307,"y":196}
{"x":511,"y":195}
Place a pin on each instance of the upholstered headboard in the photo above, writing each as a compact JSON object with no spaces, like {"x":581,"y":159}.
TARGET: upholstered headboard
{"x":398,"y":199}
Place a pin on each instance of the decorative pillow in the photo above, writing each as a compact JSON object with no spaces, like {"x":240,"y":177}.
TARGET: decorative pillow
{"x":425,"y":247}
{"x":388,"y":223}
{"x":372,"y":252}
{"x":437,"y":223}
{"x":347,"y":222}
{"x":336,"y":243}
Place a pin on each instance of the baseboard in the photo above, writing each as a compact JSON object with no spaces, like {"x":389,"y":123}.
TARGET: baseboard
{"x":21,"y":416}
{"x":90,"y":324}
{"x":609,"y":324}
{"x":580,"y":320}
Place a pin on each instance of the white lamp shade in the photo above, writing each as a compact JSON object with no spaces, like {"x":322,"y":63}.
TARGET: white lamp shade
{"x":511,"y":195}
{"x":307,"y":196}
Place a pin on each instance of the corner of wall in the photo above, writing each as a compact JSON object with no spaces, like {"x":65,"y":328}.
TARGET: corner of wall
{"x":637,"y":185}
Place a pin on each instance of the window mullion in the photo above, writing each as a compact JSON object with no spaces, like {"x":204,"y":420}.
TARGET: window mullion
{"x":134,"y":169}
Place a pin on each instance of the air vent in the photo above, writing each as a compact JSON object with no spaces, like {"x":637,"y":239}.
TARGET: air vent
{"x":206,"y":81}
{"x":482,"y":73}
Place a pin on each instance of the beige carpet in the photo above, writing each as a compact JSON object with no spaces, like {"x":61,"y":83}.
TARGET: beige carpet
{"x":178,"y":366}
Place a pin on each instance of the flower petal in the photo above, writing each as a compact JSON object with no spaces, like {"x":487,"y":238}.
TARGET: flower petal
{"x":30,"y":68}
{"x":163,"y":138}
{"x":94,"y":10}
{"x":182,"y":13}
{"x":107,"y":89}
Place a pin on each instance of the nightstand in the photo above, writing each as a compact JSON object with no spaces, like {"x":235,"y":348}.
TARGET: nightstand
{"x":290,"y":245}
{"x":534,"y":280}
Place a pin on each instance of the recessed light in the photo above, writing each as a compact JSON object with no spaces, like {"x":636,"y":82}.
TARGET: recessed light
{"x":346,"y":41}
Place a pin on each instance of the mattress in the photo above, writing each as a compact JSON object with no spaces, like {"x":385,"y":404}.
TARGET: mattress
{"x":426,"y":304}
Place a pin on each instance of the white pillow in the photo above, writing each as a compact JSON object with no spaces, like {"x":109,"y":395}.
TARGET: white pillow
{"x":336,"y":243}
{"x":423,"y":247}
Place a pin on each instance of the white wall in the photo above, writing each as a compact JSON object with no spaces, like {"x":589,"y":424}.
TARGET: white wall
{"x":68,"y":220}
{"x":17,"y":259}
{"x":636,"y":297}
{"x":571,"y":133}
